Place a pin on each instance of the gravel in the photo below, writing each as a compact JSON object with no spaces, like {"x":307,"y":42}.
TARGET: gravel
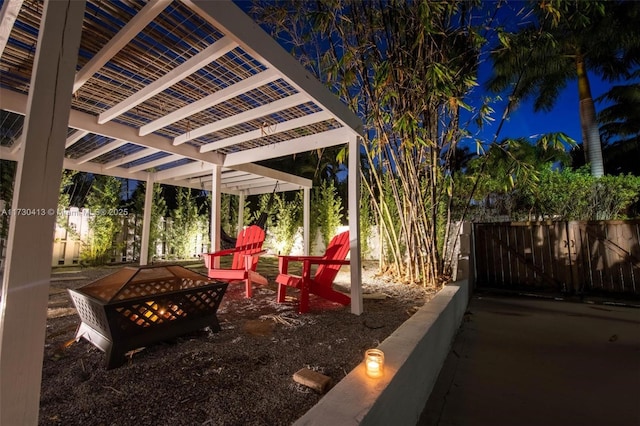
{"x":241,"y":375}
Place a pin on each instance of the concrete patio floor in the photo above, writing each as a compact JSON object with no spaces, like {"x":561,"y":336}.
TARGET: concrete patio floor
{"x":528,"y":361}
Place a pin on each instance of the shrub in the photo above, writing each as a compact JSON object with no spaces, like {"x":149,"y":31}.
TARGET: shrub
{"x":104,"y":224}
{"x":326,"y":211}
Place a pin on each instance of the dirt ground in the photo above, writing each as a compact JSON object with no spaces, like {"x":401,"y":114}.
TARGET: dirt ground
{"x":241,"y":375}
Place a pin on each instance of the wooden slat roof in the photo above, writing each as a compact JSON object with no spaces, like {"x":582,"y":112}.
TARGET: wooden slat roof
{"x":173,"y":87}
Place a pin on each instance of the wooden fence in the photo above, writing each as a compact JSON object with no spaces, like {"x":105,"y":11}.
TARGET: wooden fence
{"x":569,"y":257}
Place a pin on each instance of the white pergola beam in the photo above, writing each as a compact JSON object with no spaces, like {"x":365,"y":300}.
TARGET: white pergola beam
{"x":268,"y":184}
{"x":154,"y":163}
{"x":17,"y":103}
{"x":229,"y":173}
{"x":252,"y":114}
{"x":292,"y":146}
{"x":269,"y":189}
{"x":256,"y":184}
{"x":75,"y":137}
{"x":254,"y":40}
{"x":195,"y":176}
{"x":186,"y":184}
{"x":120,"y":40}
{"x":100,"y":169}
{"x":8,"y":14}
{"x":227,"y":180}
{"x":240,"y":182}
{"x":8,"y":154}
{"x":25,"y":287}
{"x":200,"y":177}
{"x":184,"y":170}
{"x":17,"y":145}
{"x":244,"y":178}
{"x":102,"y":150}
{"x":307,"y":120}
{"x":203,"y":169}
{"x":131,"y":157}
{"x":282,"y":187}
{"x":216,"y":98}
{"x":200,"y":60}
{"x":274,"y":174}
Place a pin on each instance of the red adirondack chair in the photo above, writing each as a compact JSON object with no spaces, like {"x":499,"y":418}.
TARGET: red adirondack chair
{"x":245,"y":259}
{"x":322,"y":281}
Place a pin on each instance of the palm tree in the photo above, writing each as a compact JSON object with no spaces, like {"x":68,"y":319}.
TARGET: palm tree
{"x":569,"y":40}
{"x":620,"y":128}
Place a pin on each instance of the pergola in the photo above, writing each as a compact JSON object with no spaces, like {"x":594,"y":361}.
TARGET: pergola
{"x":189,"y":93}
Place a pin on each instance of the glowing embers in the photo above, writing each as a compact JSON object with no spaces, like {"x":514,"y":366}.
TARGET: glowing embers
{"x":150,"y":312}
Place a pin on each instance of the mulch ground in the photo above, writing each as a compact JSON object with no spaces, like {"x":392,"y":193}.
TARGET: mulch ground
{"x":241,"y":375}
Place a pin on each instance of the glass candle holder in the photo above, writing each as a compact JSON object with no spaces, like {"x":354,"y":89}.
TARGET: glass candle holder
{"x":374,"y":363}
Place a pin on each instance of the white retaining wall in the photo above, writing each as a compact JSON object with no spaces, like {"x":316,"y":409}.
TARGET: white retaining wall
{"x":414,"y":355}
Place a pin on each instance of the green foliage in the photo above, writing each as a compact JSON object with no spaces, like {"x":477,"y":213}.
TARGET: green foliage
{"x":265,"y":206}
{"x":7,"y":178}
{"x":64,"y":201}
{"x":560,"y":194}
{"x":620,"y":128}
{"x":105,"y":223}
{"x":229,"y":212}
{"x":575,"y":195}
{"x":565,"y":194}
{"x":158,"y":211}
{"x":366,"y":221}
{"x":390,"y":218}
{"x":184,"y":224}
{"x":326,"y":207}
{"x":505,"y":179}
{"x":288,"y":215}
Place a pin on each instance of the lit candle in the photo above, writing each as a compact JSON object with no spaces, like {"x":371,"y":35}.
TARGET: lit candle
{"x":374,"y":363}
{"x":373,"y":367}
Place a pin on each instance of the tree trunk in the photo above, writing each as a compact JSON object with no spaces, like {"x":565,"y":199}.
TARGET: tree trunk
{"x":588,"y":123}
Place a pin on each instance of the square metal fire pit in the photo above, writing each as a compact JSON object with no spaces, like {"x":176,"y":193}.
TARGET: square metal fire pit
{"x":136,"y":307}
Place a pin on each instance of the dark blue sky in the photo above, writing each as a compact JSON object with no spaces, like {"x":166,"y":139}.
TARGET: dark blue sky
{"x":525,"y":122}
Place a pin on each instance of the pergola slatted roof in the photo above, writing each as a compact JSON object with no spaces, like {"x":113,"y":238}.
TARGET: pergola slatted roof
{"x":167,"y":70}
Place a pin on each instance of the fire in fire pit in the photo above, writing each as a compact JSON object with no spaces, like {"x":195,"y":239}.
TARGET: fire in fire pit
{"x":136,"y":307}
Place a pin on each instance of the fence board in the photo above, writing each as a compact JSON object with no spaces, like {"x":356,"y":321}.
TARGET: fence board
{"x":571,"y":257}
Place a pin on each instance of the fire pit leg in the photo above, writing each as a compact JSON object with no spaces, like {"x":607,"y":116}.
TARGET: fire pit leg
{"x":215,"y":325}
{"x":115,"y":357}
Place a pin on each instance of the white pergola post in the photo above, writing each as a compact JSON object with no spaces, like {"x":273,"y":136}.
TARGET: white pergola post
{"x":306,"y":222}
{"x":216,"y":176}
{"x":25,"y":288}
{"x":146,"y":220}
{"x":354,"y":225}
{"x":241,"y":198}
{"x":8,"y":16}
